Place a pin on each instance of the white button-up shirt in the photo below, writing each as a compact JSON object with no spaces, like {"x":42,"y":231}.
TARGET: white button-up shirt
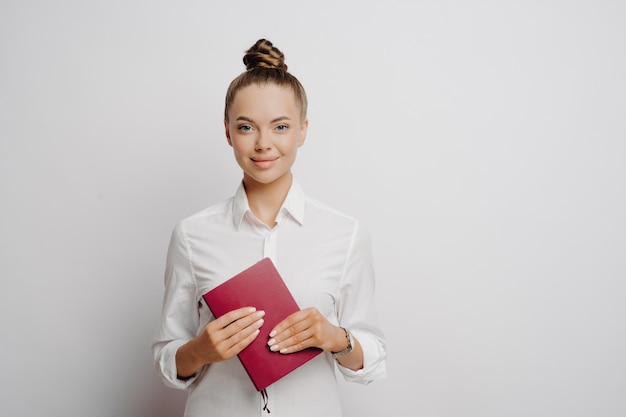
{"x":323,"y":256}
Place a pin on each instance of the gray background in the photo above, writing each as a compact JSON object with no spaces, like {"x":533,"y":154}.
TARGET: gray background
{"x":482,"y":142}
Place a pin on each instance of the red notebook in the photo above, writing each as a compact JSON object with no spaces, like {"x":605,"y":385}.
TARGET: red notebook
{"x":260,"y":286}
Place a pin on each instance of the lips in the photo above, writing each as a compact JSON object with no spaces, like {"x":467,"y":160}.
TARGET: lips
{"x":265,"y":162}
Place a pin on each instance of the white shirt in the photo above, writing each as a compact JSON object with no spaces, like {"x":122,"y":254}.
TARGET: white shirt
{"x":324,"y":258}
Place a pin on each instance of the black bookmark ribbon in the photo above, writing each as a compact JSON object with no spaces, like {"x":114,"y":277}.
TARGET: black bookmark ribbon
{"x":266,"y":399}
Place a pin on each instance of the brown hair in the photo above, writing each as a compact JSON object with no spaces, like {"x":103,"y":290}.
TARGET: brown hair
{"x":265,"y":64}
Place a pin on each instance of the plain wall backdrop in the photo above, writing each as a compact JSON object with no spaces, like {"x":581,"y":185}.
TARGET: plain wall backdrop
{"x":483,"y":143}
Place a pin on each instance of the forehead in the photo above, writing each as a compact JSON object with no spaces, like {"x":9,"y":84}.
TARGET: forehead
{"x":260,"y":101}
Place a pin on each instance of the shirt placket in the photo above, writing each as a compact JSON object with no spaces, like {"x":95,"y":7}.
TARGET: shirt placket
{"x":270,"y":236}
{"x":269,"y":243}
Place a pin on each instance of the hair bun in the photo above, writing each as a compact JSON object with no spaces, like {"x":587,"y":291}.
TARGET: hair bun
{"x":264,"y":55}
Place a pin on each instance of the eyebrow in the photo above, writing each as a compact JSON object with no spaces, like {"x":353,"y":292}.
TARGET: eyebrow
{"x":247,"y":119}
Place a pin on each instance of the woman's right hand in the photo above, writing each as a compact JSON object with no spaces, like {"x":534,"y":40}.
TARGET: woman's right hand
{"x":220,"y":340}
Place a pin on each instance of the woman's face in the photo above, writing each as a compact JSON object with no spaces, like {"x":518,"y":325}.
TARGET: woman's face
{"x":265,"y":130}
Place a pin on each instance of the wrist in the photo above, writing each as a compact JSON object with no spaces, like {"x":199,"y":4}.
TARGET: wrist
{"x":197,"y":355}
{"x":188,"y":361}
{"x":347,"y":345}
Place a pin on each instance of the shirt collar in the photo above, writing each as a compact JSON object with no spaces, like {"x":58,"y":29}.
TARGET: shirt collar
{"x":294,"y":204}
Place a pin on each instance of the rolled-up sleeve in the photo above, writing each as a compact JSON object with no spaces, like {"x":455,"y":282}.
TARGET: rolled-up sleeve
{"x":179,"y":316}
{"x":356,"y":309}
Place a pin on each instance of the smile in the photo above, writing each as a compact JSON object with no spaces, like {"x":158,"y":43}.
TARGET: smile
{"x":264,"y":163}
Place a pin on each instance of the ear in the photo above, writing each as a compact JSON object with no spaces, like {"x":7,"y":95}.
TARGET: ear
{"x":303,"y":131}
{"x":227,"y":131}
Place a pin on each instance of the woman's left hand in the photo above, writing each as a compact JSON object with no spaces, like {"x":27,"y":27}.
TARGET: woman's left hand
{"x":306,"y":328}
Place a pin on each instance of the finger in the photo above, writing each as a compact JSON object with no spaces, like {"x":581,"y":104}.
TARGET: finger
{"x":233,"y":315}
{"x":293,"y":335}
{"x":242,"y":340}
{"x":232,"y":322}
{"x":288,"y":323}
{"x":241,"y":328}
{"x":236,"y":336}
{"x":296,"y":343}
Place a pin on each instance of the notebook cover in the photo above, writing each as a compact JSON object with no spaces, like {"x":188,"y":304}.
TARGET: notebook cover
{"x":260,"y":286}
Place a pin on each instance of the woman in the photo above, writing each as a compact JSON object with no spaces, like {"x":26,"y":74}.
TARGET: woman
{"x":323,"y":256}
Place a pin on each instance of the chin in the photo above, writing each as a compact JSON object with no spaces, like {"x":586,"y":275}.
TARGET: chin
{"x":268,"y":179}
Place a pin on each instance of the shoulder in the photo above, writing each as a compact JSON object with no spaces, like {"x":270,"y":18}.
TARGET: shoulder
{"x":323,"y":208}
{"x":319,"y":212}
{"x":213,"y":213}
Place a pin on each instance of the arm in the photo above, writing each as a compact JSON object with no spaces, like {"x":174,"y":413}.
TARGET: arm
{"x":179,"y":348}
{"x":355,"y":311}
{"x":179,"y":316}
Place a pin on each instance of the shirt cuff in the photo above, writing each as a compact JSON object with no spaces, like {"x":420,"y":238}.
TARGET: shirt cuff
{"x":167,"y":366}
{"x":374,"y":356}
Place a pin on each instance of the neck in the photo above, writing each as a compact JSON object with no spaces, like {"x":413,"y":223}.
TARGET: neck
{"x":265,"y":200}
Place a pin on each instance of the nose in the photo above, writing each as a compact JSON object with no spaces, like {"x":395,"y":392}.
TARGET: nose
{"x":263,"y":142}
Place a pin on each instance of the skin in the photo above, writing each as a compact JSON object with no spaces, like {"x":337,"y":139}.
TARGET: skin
{"x":265,"y":130}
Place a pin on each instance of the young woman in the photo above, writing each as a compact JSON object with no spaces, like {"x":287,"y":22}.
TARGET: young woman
{"x":323,"y":256}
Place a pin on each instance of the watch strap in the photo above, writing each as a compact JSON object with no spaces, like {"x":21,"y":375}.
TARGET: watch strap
{"x":348,"y":348}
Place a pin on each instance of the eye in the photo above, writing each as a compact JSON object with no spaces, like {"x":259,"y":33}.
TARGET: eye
{"x":282,"y":128}
{"x":244,"y":128}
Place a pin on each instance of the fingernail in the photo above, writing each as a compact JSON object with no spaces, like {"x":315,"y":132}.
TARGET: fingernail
{"x":271,"y":342}
{"x":273,"y":333}
{"x":283,"y":351}
{"x":260,"y":322}
{"x":260,"y":313}
{"x":274,"y":348}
